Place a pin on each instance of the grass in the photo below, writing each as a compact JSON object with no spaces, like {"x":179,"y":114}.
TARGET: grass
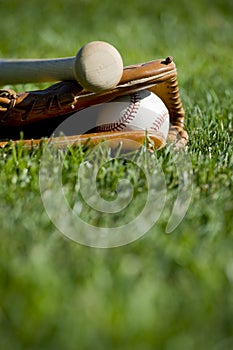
{"x":162,"y":291}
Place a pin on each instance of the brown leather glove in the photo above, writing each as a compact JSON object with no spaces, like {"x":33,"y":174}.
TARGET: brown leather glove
{"x":31,"y":110}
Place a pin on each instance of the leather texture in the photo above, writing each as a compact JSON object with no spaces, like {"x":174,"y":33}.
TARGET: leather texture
{"x":114,"y":139}
{"x":30,"y":109}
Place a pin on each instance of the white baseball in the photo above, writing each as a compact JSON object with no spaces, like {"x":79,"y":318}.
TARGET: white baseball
{"x":141,"y":110}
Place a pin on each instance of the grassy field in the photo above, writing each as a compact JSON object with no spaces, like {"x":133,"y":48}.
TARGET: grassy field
{"x":163,"y":291}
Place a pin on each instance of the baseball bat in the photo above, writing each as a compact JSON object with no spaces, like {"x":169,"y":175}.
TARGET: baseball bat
{"x":20,"y":71}
{"x":97,"y":66}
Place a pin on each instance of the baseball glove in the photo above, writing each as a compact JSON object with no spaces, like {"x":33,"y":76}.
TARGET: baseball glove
{"x":37,"y":113}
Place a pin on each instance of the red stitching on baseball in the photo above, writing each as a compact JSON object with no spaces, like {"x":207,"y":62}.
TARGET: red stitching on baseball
{"x":158,"y":122}
{"x":126,"y":118}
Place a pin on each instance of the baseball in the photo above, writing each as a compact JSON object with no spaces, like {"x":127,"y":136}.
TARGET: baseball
{"x":98,"y":66}
{"x":141,"y":110}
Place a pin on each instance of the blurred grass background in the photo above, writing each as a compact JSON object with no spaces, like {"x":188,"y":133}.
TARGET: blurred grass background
{"x":163,"y":291}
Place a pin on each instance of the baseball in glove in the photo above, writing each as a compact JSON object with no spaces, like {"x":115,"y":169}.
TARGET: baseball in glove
{"x":38,"y":113}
